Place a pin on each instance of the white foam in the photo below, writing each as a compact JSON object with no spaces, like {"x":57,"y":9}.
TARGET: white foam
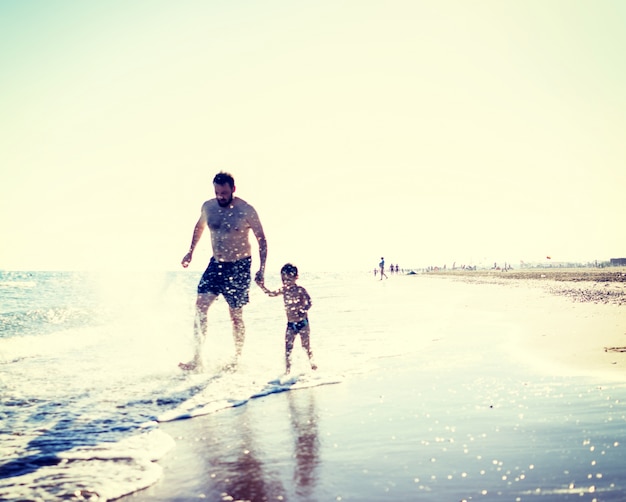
{"x":106,"y":471}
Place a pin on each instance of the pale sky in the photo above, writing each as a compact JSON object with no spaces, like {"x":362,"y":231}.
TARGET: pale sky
{"x":427,"y":132}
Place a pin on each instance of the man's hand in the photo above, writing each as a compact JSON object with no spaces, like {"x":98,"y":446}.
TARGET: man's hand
{"x":186,"y":260}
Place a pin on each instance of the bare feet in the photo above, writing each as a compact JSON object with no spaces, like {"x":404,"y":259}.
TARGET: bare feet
{"x":231,"y":366}
{"x":190,"y":366}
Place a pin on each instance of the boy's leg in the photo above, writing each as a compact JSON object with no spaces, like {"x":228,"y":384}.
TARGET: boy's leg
{"x":290,"y":336}
{"x":306,"y":344}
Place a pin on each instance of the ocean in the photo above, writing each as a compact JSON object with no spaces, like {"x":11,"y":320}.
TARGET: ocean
{"x":89,"y":377}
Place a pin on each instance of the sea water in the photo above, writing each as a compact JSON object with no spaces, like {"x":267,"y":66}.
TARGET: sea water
{"x":88,"y":374}
{"x":89,"y":367}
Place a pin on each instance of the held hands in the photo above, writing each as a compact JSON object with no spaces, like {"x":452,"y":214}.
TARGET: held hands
{"x":260,"y":282}
{"x":258,"y":278}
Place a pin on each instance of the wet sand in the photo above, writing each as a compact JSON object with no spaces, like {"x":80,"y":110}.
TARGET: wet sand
{"x":535,"y":415}
{"x":569,"y":320}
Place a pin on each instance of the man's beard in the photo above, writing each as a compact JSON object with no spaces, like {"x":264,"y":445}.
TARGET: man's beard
{"x":225,"y":204}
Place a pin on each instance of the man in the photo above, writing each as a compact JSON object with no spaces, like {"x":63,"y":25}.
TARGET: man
{"x":230,"y":220}
{"x":382,"y":269}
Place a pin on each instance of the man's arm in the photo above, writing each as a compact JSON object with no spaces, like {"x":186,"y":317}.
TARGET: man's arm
{"x":262,"y":255}
{"x":257,"y":230}
{"x":197,"y":233}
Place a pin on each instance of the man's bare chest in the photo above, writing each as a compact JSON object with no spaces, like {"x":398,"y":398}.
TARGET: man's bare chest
{"x":226,"y":220}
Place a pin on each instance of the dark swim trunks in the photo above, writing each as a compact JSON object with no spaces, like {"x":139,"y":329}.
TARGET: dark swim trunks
{"x":296,"y":327}
{"x":231,"y":279}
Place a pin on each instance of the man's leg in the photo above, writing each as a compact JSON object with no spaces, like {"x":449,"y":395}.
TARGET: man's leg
{"x":239,"y":329}
{"x":236,"y":295}
{"x":203,"y":302}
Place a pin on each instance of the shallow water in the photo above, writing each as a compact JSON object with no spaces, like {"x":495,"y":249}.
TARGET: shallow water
{"x":438,"y":403}
{"x":400,"y":435}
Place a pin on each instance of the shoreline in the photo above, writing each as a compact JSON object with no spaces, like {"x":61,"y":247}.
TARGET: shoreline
{"x":570,"y":319}
{"x":580,"y":284}
{"x":612,"y":274}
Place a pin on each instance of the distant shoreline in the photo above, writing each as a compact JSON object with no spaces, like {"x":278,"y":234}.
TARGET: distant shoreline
{"x":613,"y":274}
{"x":598,"y":285}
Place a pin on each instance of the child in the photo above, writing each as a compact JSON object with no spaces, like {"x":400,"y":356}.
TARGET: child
{"x":297,"y":303}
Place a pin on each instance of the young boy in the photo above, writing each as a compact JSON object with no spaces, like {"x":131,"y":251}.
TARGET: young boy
{"x":297,"y":304}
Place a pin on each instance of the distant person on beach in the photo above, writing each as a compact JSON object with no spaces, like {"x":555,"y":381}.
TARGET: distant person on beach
{"x":297,"y":304}
{"x":381,"y":265}
{"x":230,"y":220}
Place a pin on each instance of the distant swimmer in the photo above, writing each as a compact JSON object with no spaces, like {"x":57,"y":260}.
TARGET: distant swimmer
{"x":381,"y":265}
{"x":230,"y":220}
{"x":297,"y":304}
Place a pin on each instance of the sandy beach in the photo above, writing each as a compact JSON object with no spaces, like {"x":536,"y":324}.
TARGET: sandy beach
{"x":516,"y":392}
{"x":569,"y":320}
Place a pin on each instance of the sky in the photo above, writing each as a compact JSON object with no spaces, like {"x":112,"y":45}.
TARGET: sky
{"x":427,"y":132}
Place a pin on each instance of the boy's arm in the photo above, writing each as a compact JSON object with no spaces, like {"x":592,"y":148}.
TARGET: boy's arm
{"x":267,"y":291}
{"x":305,"y":299}
{"x":273,"y":293}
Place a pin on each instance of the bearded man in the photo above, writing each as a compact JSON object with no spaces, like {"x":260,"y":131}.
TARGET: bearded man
{"x":230,"y":220}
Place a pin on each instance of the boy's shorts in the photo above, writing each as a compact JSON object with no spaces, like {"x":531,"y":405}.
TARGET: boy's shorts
{"x":231,"y":279}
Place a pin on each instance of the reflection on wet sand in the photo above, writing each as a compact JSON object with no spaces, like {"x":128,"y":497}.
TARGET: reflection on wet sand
{"x":263,"y":451}
{"x":303,"y":419}
{"x":244,"y":470}
{"x":237,"y":473}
